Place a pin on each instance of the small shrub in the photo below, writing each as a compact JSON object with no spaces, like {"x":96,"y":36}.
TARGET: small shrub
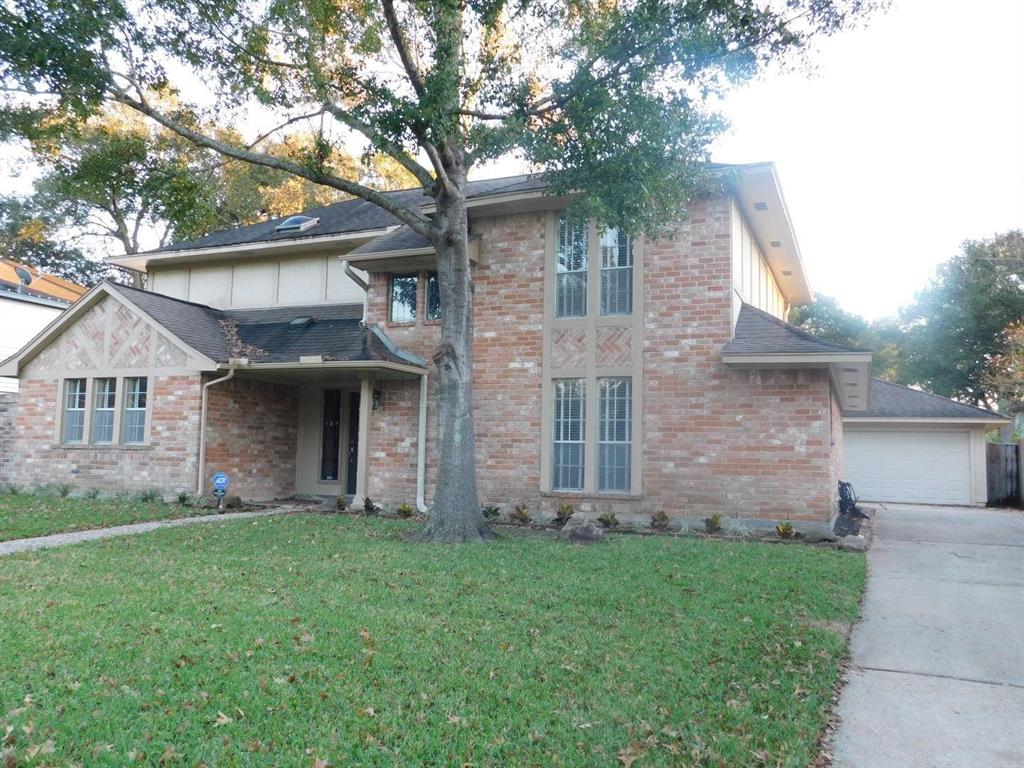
{"x":713,"y":524}
{"x":563,"y":515}
{"x":341,"y":503}
{"x":490,"y":513}
{"x":63,"y":490}
{"x":92,"y":494}
{"x":785,"y":530}
{"x":150,"y":496}
{"x":736,"y":528}
{"x":406,"y":510}
{"x":369,"y":506}
{"x":184,"y":499}
{"x":520,"y":514}
{"x":659,"y":520}
{"x":608,"y":519}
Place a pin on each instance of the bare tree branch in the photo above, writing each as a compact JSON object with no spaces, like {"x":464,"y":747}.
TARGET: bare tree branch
{"x":404,"y":49}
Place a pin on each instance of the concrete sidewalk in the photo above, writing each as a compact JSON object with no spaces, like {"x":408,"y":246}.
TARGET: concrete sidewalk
{"x":73,"y":537}
{"x":937,"y":679}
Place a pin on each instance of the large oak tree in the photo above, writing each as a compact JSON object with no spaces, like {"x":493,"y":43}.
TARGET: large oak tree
{"x":610,"y":98}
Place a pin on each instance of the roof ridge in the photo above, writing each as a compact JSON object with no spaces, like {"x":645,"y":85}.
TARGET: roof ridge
{"x":800,"y":331}
{"x":938,"y":397}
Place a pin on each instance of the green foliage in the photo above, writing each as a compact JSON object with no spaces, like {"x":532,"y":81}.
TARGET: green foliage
{"x":608,"y":519}
{"x":369,"y":506}
{"x":785,"y":530}
{"x":406,"y":510}
{"x":520,"y":514}
{"x":184,"y":498}
{"x":659,"y":520}
{"x":63,"y":490}
{"x":713,"y":524}
{"x":150,"y":496}
{"x":564,"y":514}
{"x":209,"y":619}
{"x":958,"y":323}
{"x":341,"y":503}
{"x":490,"y":513}
{"x":92,"y":494}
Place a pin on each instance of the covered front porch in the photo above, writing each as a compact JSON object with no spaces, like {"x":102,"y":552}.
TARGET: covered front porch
{"x":308,"y":428}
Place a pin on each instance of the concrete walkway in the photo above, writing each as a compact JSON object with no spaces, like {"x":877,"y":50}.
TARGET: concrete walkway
{"x":63,"y":539}
{"x":937,"y":679}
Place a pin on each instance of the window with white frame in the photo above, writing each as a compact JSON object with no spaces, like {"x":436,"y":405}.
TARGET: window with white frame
{"x":74,"y":411}
{"x":615,"y":434}
{"x":133,"y":430}
{"x":572,"y":262}
{"x":104,"y":396}
{"x":616,"y":272}
{"x":570,"y":434}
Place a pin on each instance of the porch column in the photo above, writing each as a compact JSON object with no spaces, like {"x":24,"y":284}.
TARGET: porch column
{"x":363,"y":454}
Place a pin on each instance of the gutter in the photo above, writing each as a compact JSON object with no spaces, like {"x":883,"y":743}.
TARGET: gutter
{"x":354,"y":276}
{"x":421,"y":449}
{"x":200,"y":479}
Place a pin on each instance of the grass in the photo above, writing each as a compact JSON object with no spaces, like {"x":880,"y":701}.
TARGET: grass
{"x":309,"y":640}
{"x":40,"y":513}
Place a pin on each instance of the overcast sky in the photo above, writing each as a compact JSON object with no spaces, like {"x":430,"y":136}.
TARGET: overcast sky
{"x":908,"y":140}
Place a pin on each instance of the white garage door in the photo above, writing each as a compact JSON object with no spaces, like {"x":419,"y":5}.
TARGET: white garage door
{"x":922,"y":467}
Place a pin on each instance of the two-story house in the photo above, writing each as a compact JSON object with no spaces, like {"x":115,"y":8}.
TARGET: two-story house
{"x":612,"y":371}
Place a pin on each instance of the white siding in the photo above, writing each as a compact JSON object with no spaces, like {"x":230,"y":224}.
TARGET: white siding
{"x":19,"y":322}
{"x":264,"y":283}
{"x":752,"y":279}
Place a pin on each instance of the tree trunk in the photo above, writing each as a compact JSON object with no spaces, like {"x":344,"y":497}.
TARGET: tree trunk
{"x":455,"y":515}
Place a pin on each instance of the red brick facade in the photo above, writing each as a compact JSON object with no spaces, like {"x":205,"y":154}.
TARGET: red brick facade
{"x":762,"y":444}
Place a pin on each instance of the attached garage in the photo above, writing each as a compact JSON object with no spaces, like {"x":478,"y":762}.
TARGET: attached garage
{"x":915,"y":447}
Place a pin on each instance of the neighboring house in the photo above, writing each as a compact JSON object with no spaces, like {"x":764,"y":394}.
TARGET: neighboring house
{"x":613,"y":372}
{"x":29,"y":301}
{"x":913,"y":446}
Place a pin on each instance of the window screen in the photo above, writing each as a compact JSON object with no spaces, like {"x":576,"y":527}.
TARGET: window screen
{"x":569,"y":434}
{"x":616,"y":273}
{"x":571,"y":257}
{"x":74,"y":410}
{"x":615,"y":434}
{"x":104,"y":397}
{"x":135,"y":394}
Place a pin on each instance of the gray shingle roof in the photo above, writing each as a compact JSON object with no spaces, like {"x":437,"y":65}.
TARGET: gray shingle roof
{"x":759,"y":333}
{"x":402,"y":239}
{"x":892,"y":401}
{"x":336,"y":331}
{"x":349,"y":216}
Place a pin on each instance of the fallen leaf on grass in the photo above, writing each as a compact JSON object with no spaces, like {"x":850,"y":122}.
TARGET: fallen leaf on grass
{"x":222,"y":719}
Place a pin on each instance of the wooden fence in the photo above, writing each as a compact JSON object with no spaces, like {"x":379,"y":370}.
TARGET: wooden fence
{"x":1003,"y":462}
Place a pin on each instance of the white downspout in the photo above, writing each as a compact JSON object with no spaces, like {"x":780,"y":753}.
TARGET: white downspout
{"x":200,"y":479}
{"x":421,"y":449}
{"x":358,"y":280}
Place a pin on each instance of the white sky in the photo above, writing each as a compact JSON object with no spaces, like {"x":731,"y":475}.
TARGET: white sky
{"x":907,"y":139}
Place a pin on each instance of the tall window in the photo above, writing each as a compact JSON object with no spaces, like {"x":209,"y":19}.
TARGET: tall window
{"x":403,"y":298}
{"x":433,"y":297}
{"x":74,"y":411}
{"x":134,"y":427}
{"x":571,"y":256}
{"x":615,"y":434}
{"x":104,"y":398}
{"x":616,"y":272}
{"x":330,"y":435}
{"x":570,"y":434}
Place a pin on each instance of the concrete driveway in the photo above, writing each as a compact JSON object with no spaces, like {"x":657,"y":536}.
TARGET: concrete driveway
{"x":937,"y":679}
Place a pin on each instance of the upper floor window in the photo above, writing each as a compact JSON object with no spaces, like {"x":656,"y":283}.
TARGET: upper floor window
{"x":572,"y":262}
{"x":616,"y":272}
{"x":104,"y":399}
{"x":403,"y":298}
{"x":74,"y":411}
{"x":135,"y":394}
{"x":433,"y":297}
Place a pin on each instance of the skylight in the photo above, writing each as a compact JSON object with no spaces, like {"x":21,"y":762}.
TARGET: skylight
{"x":297,"y":224}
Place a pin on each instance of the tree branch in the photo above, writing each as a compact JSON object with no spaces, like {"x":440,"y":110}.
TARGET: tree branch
{"x":404,"y":49}
{"x":416,"y":221}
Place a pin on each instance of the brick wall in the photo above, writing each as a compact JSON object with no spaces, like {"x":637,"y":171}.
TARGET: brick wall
{"x":743,"y":443}
{"x":167,"y":464}
{"x":8,"y":411}
{"x":251,"y":429}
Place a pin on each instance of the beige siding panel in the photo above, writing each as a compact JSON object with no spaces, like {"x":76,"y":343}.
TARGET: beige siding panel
{"x":170,"y":282}
{"x":752,"y":279}
{"x":340,"y":287}
{"x":302,"y":281}
{"x":254,"y":285}
{"x":210,"y":286}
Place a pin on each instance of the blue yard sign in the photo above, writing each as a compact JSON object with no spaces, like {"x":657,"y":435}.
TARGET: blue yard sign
{"x":220,"y":482}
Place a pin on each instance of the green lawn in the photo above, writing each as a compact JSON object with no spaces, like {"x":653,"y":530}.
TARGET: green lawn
{"x":23,"y":515}
{"x":293,"y":640}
